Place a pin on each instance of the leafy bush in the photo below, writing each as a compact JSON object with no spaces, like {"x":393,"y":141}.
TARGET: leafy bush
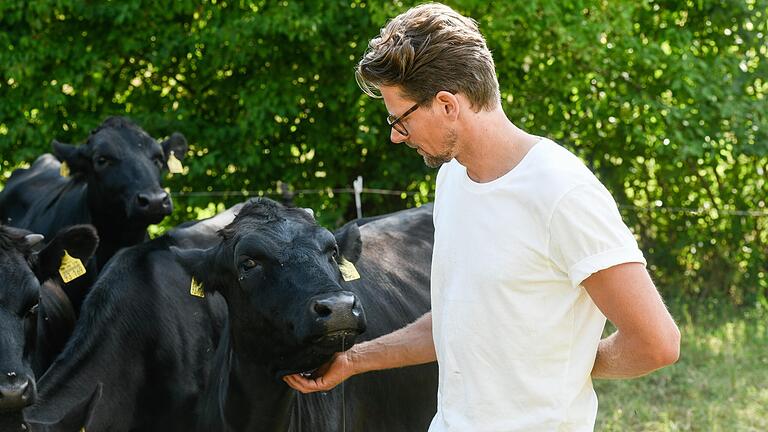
{"x":666,"y":101}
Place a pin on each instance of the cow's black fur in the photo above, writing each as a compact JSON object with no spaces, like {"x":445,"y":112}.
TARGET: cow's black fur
{"x":266,"y":333}
{"x":141,"y":308}
{"x":29,"y":315}
{"x":114,"y":185}
{"x":143,"y":337}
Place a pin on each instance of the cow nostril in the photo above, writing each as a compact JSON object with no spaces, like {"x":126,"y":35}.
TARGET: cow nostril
{"x":357,"y":310}
{"x":27,"y":392}
{"x":142,"y":200}
{"x":17,"y":390}
{"x":321,"y":310}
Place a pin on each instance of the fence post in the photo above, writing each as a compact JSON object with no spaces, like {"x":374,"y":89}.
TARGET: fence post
{"x":286,"y":195}
{"x":357,"y":186}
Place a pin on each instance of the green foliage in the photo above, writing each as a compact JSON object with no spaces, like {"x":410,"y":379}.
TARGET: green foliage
{"x":666,"y":101}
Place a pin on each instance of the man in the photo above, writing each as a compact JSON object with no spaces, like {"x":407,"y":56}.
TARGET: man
{"x":530,"y":255}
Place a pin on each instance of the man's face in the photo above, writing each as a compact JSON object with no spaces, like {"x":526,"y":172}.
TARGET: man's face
{"x":426,"y":131}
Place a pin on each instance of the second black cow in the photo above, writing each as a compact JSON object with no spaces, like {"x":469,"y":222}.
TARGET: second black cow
{"x":290,"y":310}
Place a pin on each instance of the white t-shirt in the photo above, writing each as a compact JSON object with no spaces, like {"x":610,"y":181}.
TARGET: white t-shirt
{"x":515,"y":332}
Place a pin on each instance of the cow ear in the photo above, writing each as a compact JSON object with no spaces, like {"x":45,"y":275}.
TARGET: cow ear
{"x":74,"y":156}
{"x":349,"y":241}
{"x":201,"y":264}
{"x":176,"y":144}
{"x":79,"y":241}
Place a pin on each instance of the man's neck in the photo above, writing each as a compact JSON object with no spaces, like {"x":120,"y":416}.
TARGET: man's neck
{"x":492,"y":145}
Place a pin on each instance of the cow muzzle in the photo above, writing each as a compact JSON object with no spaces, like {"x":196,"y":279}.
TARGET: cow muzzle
{"x":335,"y":321}
{"x":16,"y":391}
{"x":153,"y":204}
{"x":336,"y":315}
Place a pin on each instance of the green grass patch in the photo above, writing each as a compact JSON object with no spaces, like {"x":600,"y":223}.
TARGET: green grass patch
{"x":720,"y":382}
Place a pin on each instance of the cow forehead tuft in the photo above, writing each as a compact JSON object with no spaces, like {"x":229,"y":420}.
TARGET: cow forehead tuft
{"x":122,"y":138}
{"x":122,"y":128}
{"x":266,"y":215}
{"x":116,"y":122}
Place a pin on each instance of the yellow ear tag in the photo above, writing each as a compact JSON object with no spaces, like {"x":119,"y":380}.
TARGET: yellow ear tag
{"x":174,"y":165}
{"x":64,"y":170}
{"x":196,"y":289}
{"x":348,"y":270}
{"x":71,"y":268}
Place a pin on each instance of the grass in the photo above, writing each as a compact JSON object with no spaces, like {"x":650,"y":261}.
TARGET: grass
{"x":720,"y":382}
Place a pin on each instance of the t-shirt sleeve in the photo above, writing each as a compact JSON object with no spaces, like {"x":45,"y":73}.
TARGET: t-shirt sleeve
{"x":587,"y":234}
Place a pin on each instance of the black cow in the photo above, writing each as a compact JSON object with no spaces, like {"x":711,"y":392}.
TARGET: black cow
{"x":28,"y":312}
{"x":114,"y":184}
{"x":143,"y":337}
{"x":290,"y":310}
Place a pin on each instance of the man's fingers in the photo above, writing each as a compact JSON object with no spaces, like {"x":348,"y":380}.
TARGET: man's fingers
{"x":323,"y":378}
{"x":304,"y":384}
{"x":294,"y":381}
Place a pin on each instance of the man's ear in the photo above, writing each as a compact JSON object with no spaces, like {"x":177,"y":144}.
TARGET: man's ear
{"x":201,"y":264}
{"x":75,"y":156}
{"x":79,"y":241}
{"x":349,"y":241}
{"x":176,"y":144}
{"x":448,"y":103}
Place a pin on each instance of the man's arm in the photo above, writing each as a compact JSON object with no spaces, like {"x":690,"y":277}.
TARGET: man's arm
{"x":646,"y":338}
{"x":408,"y":346}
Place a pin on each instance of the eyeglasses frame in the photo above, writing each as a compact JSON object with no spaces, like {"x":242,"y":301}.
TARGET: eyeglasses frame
{"x":395,"y":122}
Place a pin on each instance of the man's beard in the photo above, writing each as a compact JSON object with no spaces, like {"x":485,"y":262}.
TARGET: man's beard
{"x":435,"y":161}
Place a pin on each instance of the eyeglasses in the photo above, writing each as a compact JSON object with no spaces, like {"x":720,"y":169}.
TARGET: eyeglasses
{"x":395,"y":122}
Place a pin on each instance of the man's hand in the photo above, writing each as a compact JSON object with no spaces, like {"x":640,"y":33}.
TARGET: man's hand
{"x":411,"y":345}
{"x":326,"y":377}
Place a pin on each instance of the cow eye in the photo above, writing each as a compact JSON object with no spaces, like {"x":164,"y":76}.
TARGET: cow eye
{"x":158,"y":160}
{"x":249,"y":264}
{"x":32,"y":312}
{"x":335,"y":252}
{"x":102,"y":161}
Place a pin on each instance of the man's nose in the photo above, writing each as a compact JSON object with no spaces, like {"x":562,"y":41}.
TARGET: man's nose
{"x":396,"y":137}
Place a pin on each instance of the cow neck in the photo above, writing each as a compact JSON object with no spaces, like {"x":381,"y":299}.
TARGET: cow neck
{"x":114,"y":230}
{"x":111,"y":239}
{"x":255,"y":399}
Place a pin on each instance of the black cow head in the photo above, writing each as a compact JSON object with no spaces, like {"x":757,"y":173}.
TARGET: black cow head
{"x":24,"y":264}
{"x":279,"y":272}
{"x":123,"y":165}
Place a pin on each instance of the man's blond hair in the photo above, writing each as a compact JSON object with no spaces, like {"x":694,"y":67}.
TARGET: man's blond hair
{"x":427,"y":49}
